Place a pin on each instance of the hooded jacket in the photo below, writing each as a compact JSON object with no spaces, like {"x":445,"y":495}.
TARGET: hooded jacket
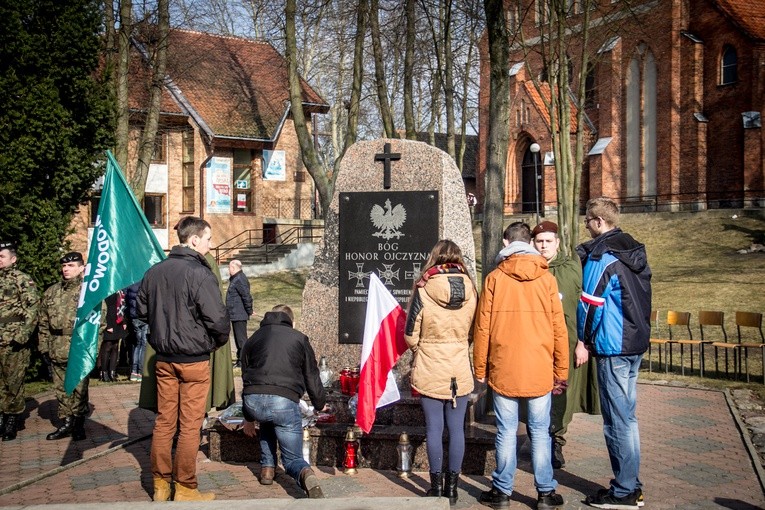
{"x":437,"y":331}
{"x":613,"y":315}
{"x":520,"y":338}
{"x":180,"y":300}
{"x":279,"y":360}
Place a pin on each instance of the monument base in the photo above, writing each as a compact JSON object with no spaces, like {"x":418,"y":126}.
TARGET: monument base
{"x":378,"y":448}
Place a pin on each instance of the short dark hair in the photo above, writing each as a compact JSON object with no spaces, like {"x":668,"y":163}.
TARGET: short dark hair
{"x":518,"y":231}
{"x":190,"y":226}
{"x":285,"y":309}
{"x":8,"y":246}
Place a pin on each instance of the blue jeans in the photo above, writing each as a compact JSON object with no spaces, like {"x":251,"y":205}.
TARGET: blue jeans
{"x":279,"y":419}
{"x":141,"y":332}
{"x":617,"y":376}
{"x":506,"y":411}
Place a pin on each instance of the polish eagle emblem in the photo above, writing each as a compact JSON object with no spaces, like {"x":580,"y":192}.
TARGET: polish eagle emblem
{"x":388,"y":220}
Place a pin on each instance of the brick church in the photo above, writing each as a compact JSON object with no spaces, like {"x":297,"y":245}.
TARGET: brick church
{"x":675,"y":97}
{"x":226,"y":148}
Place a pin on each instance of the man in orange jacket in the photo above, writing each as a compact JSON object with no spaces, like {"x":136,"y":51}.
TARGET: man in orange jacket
{"x":521,"y":345}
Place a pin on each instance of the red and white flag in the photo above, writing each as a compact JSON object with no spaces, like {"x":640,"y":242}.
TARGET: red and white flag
{"x":383,"y":344}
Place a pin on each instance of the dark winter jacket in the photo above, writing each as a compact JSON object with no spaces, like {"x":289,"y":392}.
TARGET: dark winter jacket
{"x":131,"y":295}
{"x":614,"y":312}
{"x":180,"y":300}
{"x":279,"y":360}
{"x":116,"y":317}
{"x":238,"y":297}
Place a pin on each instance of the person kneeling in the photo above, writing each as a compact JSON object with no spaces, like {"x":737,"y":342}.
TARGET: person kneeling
{"x":278,"y":367}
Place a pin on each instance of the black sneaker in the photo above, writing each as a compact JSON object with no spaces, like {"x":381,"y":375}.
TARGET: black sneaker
{"x":557,"y":456}
{"x":605,"y":499}
{"x":549,"y":500}
{"x":639,"y":496}
{"x":494,"y":498}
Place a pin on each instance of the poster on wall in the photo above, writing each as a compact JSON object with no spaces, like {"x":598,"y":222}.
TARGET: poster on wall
{"x":274,"y":166}
{"x":218,"y":199}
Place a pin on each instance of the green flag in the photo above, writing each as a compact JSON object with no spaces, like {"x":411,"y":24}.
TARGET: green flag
{"x":122,"y":248}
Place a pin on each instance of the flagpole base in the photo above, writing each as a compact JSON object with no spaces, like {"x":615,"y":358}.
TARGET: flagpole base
{"x":350,"y":471}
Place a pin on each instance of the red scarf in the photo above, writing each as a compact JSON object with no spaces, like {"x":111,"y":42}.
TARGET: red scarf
{"x":450,"y":267}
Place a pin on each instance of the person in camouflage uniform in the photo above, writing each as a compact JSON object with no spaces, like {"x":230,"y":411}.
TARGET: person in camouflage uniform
{"x":57,"y":313}
{"x":18,"y":317}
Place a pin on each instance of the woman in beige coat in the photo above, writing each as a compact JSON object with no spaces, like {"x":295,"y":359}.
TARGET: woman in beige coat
{"x":438,"y":326}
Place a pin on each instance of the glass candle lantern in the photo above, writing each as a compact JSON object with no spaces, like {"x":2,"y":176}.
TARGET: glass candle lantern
{"x":404,"y":452}
{"x":351,"y":451}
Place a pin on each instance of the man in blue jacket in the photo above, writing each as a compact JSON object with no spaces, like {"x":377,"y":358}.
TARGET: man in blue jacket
{"x":613,"y":321}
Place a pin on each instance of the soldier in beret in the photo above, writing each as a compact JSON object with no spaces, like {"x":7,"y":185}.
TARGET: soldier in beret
{"x":581,"y":395}
{"x":18,"y":317}
{"x":57,"y":314}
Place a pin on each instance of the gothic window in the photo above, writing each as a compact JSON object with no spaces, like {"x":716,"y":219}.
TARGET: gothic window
{"x":590,"y":88}
{"x":640,"y":125}
{"x":728,"y":66}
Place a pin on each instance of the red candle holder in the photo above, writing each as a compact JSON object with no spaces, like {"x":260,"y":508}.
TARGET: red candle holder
{"x":351,"y":451}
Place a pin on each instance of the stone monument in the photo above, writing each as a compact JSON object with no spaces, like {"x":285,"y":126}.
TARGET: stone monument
{"x":393,"y":200}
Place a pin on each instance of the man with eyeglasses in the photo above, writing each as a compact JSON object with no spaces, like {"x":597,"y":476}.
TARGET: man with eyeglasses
{"x":613,"y":321}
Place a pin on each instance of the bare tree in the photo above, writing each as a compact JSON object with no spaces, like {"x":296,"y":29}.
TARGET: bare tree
{"x":386,"y":115}
{"x":499,"y":122}
{"x":556,"y":32}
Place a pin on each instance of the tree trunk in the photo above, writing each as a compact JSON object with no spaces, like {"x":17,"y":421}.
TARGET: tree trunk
{"x":448,"y":79}
{"x":147,"y":144}
{"x":499,"y":87}
{"x":324,"y":184}
{"x":122,"y":118}
{"x":362,"y":15}
{"x":411,"y":130}
{"x":382,"y":87}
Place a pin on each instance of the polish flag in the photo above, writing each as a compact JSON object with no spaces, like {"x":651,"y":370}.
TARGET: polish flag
{"x":383,"y":344}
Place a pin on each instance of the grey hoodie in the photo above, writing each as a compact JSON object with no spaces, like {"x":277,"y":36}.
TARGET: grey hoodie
{"x":515,"y":248}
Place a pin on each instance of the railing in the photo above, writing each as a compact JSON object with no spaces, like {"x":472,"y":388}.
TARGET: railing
{"x":268,"y":239}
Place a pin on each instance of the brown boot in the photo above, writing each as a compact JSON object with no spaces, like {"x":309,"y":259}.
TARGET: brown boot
{"x":161,"y":490}
{"x":266,"y":475}
{"x":310,"y":484}
{"x":183,"y":493}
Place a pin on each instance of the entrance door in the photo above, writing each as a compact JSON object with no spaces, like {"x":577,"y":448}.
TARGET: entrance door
{"x":528,"y":182}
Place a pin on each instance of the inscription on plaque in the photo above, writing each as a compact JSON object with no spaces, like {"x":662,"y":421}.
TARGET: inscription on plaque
{"x":386,"y":233}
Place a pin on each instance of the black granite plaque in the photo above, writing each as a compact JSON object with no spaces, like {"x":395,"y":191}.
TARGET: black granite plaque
{"x":386,"y":233}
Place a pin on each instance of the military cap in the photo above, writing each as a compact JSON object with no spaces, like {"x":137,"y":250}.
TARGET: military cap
{"x":7,"y":245}
{"x":72,"y":256}
{"x":545,"y":226}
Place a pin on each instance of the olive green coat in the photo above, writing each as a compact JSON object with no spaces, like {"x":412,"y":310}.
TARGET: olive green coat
{"x":581,"y":396}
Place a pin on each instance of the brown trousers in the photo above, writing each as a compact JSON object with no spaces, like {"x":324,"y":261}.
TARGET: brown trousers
{"x":181,"y":399}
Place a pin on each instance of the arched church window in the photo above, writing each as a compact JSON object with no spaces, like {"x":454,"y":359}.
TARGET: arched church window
{"x":728,"y":66}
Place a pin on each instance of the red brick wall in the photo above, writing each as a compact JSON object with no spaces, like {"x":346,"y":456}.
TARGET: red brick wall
{"x":696,"y":161}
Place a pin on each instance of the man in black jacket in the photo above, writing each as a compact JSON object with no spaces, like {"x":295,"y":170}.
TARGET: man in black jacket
{"x":180,"y":300}
{"x":278,"y":366}
{"x":239,"y":304}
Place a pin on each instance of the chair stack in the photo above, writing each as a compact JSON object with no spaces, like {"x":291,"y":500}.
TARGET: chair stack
{"x":735,"y":353}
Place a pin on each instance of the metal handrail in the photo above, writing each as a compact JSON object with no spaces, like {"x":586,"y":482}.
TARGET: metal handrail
{"x":245,"y":239}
